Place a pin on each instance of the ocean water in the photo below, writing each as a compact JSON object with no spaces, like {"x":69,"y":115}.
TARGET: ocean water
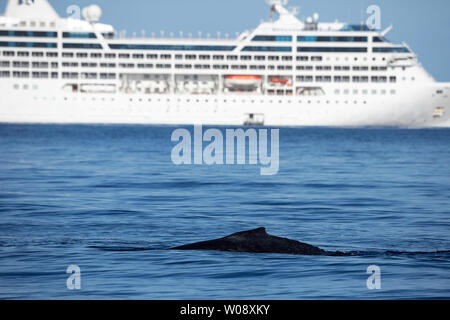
{"x":109,"y":200}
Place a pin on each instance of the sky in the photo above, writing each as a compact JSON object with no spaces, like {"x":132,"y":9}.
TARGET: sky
{"x":423,"y":24}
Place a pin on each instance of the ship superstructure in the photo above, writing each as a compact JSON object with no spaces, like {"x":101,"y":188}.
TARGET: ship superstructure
{"x":286,"y":72}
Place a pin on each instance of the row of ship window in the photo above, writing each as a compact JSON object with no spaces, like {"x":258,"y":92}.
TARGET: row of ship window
{"x":112,"y":76}
{"x":336,"y":92}
{"x":40,"y":64}
{"x":168,"y":56}
{"x":259,"y":38}
{"x":54,"y":45}
{"x":357,"y":79}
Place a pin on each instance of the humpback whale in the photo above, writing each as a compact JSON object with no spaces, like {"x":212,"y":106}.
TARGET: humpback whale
{"x":259,"y":241}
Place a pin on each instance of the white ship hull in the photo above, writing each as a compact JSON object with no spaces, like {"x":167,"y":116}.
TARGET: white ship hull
{"x":410,"y":107}
{"x":283,"y":73}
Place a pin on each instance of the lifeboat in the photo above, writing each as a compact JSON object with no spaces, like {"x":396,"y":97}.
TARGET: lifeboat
{"x":243,"y":81}
{"x":280,"y":80}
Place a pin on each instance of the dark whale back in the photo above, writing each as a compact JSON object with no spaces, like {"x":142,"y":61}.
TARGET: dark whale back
{"x":255,"y":241}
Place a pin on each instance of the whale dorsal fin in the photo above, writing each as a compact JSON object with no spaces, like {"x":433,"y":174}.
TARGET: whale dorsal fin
{"x":260,"y":232}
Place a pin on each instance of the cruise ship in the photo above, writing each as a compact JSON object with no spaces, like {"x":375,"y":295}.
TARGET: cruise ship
{"x":285,"y":72}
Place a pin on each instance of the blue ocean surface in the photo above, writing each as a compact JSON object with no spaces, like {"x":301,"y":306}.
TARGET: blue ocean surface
{"x":109,"y":200}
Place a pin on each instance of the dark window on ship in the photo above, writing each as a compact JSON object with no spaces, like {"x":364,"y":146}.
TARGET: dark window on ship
{"x":70,"y":64}
{"x":360,"y":79}
{"x":109,"y":35}
{"x":233,"y":58}
{"x":216,"y":57}
{"x":316,"y":58}
{"x":82,"y":46}
{"x":37,"y":54}
{"x":170,"y":47}
{"x":145,"y":65}
{"x":190,"y":57}
{"x":79,"y":35}
{"x":40,"y":64}
{"x":69,"y":75}
{"x":126,"y":65}
{"x":272,"y":38}
{"x":331,"y":49}
{"x":330,"y":39}
{"x":124,"y":56}
{"x":88,"y":76}
{"x":323,"y":78}
{"x":8,"y":53}
{"x":163,"y":66}
{"x":309,"y":68}
{"x":166,"y":56}
{"x":260,"y":58}
{"x":31,"y":34}
{"x":109,"y":76}
{"x":380,"y":39}
{"x":151,"y":56}
{"x":40,"y":75}
{"x":96,"y":55}
{"x":268,"y":49}
{"x":52,"y":54}
{"x":391,"y":50}
{"x":274,"y":58}
{"x":67,"y":55}
{"x":304,"y":78}
{"x":17,"y":74}
{"x":302,"y":58}
{"x":28,"y":44}
{"x":110,"y":55}
{"x":89,"y":65}
{"x":204,"y":57}
{"x":107,"y":65}
{"x":21,"y":64}
{"x":82,"y":55}
{"x":341,"y":79}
